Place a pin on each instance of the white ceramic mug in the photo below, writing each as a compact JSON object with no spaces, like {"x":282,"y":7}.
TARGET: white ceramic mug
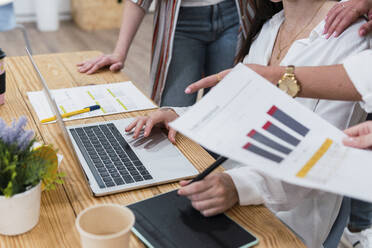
{"x":105,"y":226}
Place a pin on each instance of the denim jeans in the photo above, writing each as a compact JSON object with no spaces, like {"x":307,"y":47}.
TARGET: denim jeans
{"x":361,"y":214}
{"x":339,"y":225}
{"x":205,"y":43}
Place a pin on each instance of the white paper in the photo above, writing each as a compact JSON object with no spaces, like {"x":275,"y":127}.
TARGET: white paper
{"x":223,"y":119}
{"x":113,"y":98}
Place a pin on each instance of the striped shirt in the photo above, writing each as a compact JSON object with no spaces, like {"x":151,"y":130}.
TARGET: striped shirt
{"x":165,"y":20}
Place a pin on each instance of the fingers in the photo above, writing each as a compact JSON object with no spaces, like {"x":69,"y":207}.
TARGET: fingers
{"x":194,"y":188}
{"x":172,"y":135}
{"x":201,"y":84}
{"x":99,"y":64}
{"x":139,"y":127}
{"x":131,"y":126}
{"x":360,"y":129}
{"x":87,"y":65}
{"x":209,"y":207}
{"x":331,"y":21}
{"x":361,"y":142}
{"x":365,"y":28}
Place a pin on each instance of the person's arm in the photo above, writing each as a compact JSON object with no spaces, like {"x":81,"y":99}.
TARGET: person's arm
{"x":324,"y":82}
{"x":132,"y":17}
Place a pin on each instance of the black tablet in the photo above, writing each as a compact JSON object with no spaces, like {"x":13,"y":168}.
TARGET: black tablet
{"x":169,"y":220}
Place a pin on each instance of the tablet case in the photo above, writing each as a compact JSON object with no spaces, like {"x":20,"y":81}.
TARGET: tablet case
{"x":169,"y":220}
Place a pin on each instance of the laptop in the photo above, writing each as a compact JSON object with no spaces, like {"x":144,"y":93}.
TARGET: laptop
{"x":113,"y":161}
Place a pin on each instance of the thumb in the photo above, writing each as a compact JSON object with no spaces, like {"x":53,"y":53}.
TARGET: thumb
{"x":362,"y":142}
{"x":116,"y":67}
{"x":365,"y":28}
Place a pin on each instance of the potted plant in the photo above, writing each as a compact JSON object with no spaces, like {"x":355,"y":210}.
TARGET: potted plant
{"x":24,"y":170}
{"x":47,"y":18}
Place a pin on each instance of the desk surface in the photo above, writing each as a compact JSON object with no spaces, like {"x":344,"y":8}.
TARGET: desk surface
{"x":60,"y":207}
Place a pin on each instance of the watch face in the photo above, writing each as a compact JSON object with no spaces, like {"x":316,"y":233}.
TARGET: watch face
{"x":290,"y":86}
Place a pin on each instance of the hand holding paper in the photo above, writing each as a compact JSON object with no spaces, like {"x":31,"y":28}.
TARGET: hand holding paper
{"x":249,"y":120}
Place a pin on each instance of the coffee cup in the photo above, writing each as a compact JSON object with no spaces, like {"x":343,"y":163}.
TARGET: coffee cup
{"x":105,"y":226}
{"x":2,"y":77}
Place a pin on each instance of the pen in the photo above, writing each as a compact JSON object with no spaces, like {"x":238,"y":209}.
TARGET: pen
{"x":84,"y":110}
{"x":207,"y":171}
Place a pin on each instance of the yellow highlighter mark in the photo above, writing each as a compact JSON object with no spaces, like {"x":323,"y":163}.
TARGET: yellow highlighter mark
{"x":315,"y":158}
{"x":121,"y":104}
{"x":109,"y":91}
{"x":63,"y":109}
{"x":90,"y":94}
{"x":103,"y":110}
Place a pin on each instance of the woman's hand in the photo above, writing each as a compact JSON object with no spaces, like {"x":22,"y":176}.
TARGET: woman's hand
{"x":160,"y":116}
{"x":206,"y":82}
{"x":213,"y":195}
{"x":115,"y":63}
{"x":360,"y":136}
{"x":343,"y":14}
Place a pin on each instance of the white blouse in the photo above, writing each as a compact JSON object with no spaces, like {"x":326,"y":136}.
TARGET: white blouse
{"x":310,"y":213}
{"x":358,"y":68}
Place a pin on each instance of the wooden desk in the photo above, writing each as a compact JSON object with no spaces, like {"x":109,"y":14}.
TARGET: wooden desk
{"x":59,"y":208}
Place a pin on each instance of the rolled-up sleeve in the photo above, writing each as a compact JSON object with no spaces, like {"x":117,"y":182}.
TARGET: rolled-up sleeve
{"x":255,"y":187}
{"x":359,"y":70}
{"x":145,"y":4}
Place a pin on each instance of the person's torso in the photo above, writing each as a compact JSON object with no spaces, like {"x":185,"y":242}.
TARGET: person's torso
{"x":318,"y":212}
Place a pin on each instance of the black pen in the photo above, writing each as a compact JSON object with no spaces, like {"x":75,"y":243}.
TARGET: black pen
{"x":207,"y":171}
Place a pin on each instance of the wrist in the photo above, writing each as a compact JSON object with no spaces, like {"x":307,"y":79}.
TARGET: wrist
{"x":274,"y":73}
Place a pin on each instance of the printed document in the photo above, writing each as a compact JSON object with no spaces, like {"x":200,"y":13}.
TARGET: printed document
{"x":113,"y":98}
{"x":249,"y":120}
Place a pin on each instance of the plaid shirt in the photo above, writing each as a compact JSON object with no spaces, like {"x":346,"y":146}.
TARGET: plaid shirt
{"x":165,"y":19}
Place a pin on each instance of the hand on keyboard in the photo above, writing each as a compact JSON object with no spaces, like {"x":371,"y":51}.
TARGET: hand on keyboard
{"x":161,"y":116}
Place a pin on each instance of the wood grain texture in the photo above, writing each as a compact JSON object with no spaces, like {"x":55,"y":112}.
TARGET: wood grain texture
{"x":61,"y":206}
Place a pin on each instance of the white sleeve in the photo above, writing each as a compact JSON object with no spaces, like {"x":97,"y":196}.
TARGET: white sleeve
{"x":358,"y":68}
{"x":255,"y":187}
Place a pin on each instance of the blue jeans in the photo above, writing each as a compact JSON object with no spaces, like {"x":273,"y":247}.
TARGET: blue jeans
{"x":205,"y":43}
{"x":339,"y":225}
{"x":361,"y":214}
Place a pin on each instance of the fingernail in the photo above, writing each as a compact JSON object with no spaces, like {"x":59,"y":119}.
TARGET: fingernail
{"x":187,"y":90}
{"x":335,"y":34}
{"x":349,"y":139}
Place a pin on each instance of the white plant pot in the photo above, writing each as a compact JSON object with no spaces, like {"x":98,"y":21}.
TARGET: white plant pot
{"x":20,"y":213}
{"x":47,"y":15}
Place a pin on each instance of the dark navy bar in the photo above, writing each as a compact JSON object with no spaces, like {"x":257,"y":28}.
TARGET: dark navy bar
{"x":288,"y":121}
{"x":280,"y":133}
{"x":261,"y":152}
{"x":269,"y":142}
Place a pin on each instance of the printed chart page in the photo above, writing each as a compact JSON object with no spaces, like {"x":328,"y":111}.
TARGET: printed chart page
{"x":249,"y":120}
{"x":113,"y":98}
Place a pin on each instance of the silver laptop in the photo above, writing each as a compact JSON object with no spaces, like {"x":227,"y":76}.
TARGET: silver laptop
{"x":113,"y":161}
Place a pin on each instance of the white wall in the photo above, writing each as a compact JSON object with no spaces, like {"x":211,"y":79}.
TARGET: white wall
{"x":25,"y":10}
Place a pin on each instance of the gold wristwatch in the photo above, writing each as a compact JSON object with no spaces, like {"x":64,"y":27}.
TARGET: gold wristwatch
{"x":289,"y":83}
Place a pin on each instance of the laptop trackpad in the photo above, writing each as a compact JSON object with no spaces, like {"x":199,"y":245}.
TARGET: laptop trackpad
{"x":154,"y":146}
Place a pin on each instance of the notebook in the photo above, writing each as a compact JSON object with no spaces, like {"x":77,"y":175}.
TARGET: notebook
{"x":169,"y":220}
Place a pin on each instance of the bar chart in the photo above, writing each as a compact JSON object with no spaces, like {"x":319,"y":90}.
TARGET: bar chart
{"x":266,"y":146}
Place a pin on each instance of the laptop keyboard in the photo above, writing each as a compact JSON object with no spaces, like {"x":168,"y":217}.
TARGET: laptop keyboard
{"x":109,"y":157}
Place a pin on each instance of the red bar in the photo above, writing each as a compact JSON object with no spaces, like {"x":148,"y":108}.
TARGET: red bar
{"x":272,"y":110}
{"x":247,"y":145}
{"x":251,"y":133}
{"x":267,"y":125}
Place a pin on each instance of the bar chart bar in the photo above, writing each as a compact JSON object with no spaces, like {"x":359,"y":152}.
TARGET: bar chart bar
{"x":284,"y":118}
{"x":268,"y":142}
{"x":263,"y":153}
{"x":280,"y":133}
